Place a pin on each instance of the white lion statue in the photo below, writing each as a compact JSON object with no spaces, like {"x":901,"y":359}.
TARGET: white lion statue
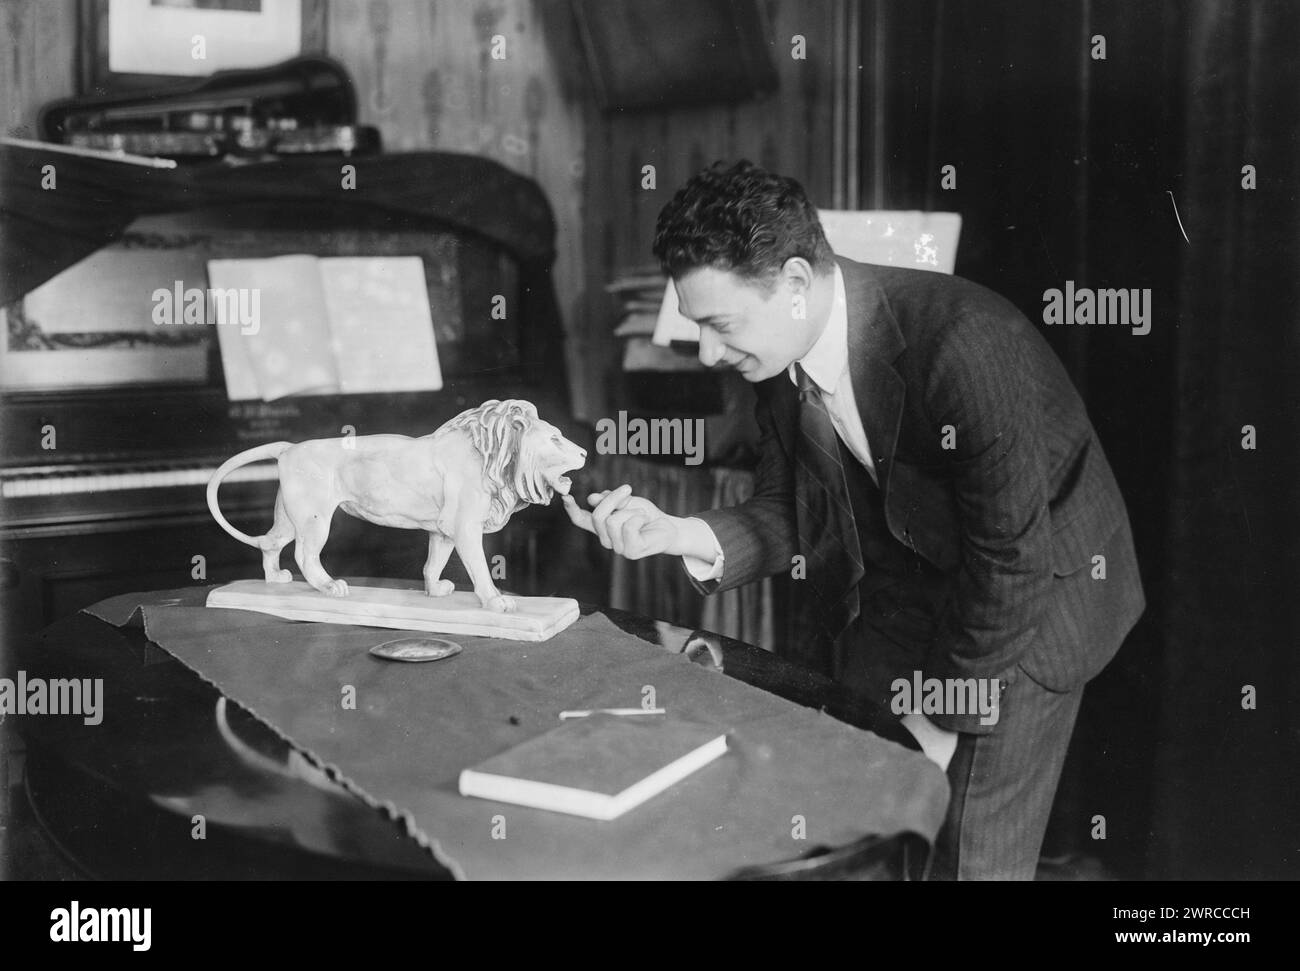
{"x":465,"y":479}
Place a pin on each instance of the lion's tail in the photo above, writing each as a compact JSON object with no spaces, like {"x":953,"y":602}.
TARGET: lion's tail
{"x":259,"y":454}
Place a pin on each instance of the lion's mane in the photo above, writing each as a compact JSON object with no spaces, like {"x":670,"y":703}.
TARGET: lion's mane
{"x":499,"y":431}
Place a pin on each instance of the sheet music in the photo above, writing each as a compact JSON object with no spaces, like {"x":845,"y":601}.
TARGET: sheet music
{"x":283,"y":347}
{"x":331,"y":325}
{"x":380,"y":323}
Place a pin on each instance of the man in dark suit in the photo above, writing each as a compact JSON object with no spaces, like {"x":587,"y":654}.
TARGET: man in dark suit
{"x":929,"y":476}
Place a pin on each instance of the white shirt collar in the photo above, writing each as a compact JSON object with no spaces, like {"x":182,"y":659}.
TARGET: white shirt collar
{"x":827,"y":359}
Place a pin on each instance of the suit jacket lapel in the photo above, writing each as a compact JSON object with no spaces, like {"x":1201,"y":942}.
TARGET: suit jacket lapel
{"x":874,"y":343}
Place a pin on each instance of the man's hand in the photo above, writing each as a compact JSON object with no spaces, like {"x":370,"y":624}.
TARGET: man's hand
{"x":634,"y":527}
{"x":938,"y":744}
{"x":627,"y":524}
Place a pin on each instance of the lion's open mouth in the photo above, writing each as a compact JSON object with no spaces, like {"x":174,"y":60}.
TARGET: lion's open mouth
{"x":558,"y":481}
{"x":555,"y":477}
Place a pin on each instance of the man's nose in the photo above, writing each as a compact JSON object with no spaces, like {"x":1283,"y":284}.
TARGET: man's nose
{"x":710,"y":348}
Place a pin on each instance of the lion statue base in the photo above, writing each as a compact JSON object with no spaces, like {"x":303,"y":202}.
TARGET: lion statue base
{"x":462,"y":481}
{"x":400,"y":606}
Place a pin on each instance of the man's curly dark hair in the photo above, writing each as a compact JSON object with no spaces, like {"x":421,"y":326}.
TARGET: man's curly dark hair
{"x":743,"y":219}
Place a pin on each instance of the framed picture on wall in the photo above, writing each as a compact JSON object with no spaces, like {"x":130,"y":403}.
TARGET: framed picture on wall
{"x":132,"y":45}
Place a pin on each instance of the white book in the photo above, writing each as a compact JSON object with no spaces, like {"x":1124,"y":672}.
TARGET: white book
{"x":599,"y":767}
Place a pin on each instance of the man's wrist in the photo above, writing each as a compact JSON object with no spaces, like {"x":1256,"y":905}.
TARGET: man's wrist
{"x":694,"y":539}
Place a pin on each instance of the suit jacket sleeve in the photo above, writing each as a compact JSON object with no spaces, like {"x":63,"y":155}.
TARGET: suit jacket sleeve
{"x":980,"y":385}
{"x":760,"y":536}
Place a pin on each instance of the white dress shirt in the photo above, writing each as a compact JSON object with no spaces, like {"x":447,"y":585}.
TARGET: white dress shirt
{"x":827,"y":363}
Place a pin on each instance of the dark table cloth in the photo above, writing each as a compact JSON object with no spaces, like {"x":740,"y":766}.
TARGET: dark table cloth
{"x":416,"y":726}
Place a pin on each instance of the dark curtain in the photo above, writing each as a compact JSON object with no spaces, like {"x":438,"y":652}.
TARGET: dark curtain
{"x":1223,"y":799}
{"x":1069,"y":167}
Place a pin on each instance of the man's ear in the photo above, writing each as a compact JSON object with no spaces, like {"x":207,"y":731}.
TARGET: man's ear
{"x":798,"y":274}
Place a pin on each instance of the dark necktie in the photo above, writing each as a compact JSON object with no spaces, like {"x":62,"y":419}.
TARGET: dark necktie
{"x":828,"y":533}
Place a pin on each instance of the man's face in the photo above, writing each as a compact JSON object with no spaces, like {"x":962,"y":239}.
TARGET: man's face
{"x":742,"y":326}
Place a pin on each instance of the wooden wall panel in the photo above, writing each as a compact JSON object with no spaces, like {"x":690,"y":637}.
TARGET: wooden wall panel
{"x":38,"y":60}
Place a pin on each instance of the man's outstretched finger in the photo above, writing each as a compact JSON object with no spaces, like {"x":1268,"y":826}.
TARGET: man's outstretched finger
{"x":578,"y":516}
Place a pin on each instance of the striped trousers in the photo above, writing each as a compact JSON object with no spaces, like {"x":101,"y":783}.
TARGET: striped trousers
{"x":1003,"y":785}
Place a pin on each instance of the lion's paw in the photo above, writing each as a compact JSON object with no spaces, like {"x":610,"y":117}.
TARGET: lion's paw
{"x":280,"y":576}
{"x":502,"y":604}
{"x":336,"y":588}
{"x":440,"y":588}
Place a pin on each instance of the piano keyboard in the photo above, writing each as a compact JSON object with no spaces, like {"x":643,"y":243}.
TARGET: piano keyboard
{"x":52,"y":483}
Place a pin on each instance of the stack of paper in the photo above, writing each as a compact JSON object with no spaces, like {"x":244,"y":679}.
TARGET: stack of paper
{"x":640,"y":291}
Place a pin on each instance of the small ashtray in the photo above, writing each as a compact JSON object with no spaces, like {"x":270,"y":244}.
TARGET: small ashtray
{"x":416,"y":649}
